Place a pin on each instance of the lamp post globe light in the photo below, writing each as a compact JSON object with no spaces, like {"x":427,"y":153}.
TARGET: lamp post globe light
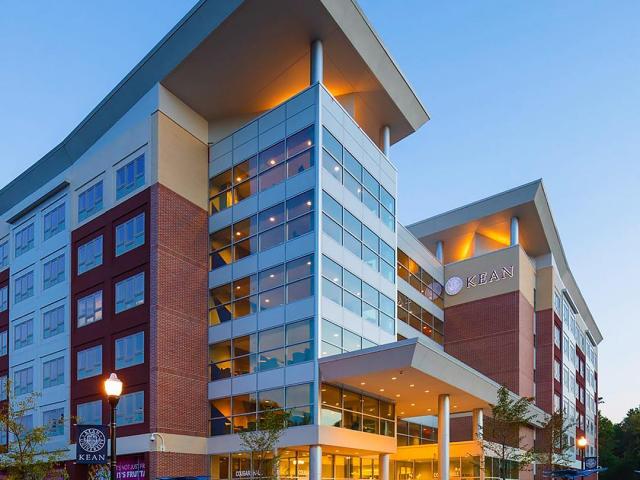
{"x":582,"y":443}
{"x":113,"y":389}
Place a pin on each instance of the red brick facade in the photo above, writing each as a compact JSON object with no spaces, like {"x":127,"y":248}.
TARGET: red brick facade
{"x":179,"y":326}
{"x":174,"y":258}
{"x":495,"y":336}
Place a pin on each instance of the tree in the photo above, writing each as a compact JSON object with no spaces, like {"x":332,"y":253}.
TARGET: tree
{"x":501,"y":434}
{"x":619,"y":446}
{"x":262,"y":443}
{"x":26,"y":456}
{"x":552,"y":445}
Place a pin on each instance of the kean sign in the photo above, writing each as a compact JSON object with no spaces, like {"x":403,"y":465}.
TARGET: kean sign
{"x":455,"y":284}
{"x":91,"y":444}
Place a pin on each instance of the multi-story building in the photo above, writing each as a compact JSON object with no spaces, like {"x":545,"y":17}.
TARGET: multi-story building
{"x":221,"y":232}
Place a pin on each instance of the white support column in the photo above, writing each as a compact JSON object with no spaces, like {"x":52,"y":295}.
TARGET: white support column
{"x":478,"y":425}
{"x":440,"y":251}
{"x":385,"y":134}
{"x":443,"y":437}
{"x":515,"y":231}
{"x":315,"y":462}
{"x":384,"y":466}
{"x":317,"y":64}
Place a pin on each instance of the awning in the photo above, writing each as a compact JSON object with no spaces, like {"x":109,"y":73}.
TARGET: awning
{"x":413,"y":374}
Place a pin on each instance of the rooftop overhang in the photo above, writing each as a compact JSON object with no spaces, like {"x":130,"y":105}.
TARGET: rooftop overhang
{"x":259,"y":56}
{"x":235,"y":58}
{"x":491,"y":217}
{"x":413,"y":374}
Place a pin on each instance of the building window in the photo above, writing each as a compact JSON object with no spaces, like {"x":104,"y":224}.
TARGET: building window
{"x":411,"y":433}
{"x":344,"y":167}
{"x":3,"y":388}
{"x":90,"y":255}
{"x":273,"y":287}
{"x":90,"y":308}
{"x":23,"y":381}
{"x":4,"y":343}
{"x":336,"y":340}
{"x":419,"y":279}
{"x":260,"y":172}
{"x":130,"y":177}
{"x":54,"y":221}
{"x":130,"y":409}
{"x":344,"y":288}
{"x":89,"y":413}
{"x":53,"y":272}
{"x":240,"y":413}
{"x":130,"y":350}
{"x":273,"y":348}
{"x":89,"y":362}
{"x":90,"y":201}
{"x":130,"y":234}
{"x":53,"y":372}
{"x":130,"y":292}
{"x":347,"y":409}
{"x":4,"y":299}
{"x":24,"y":240}
{"x":557,"y":402}
{"x":557,"y":370}
{"x":557,"y":336}
{"x":23,"y":287}
{"x":54,"y":421}
{"x":267,"y":229}
{"x":53,"y":322}
{"x":341,"y":225}
{"x":23,"y":334}
{"x":4,"y":254}
{"x":419,"y":318}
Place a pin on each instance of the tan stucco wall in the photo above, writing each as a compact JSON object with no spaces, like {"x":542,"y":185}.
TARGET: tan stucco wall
{"x":544,"y":288}
{"x":524,"y":276}
{"x":182,"y":160}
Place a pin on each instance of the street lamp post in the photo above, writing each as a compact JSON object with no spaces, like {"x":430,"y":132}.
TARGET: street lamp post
{"x":582,"y":444}
{"x":113,"y":389}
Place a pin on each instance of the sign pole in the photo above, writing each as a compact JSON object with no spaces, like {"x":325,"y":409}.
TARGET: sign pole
{"x":113,"y":402}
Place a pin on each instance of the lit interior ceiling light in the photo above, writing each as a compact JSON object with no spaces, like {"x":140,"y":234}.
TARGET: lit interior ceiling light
{"x":412,"y":385}
{"x":272,"y":219}
{"x":272,"y":161}
{"x":336,"y":168}
{"x":394,"y":378}
{"x":309,"y":203}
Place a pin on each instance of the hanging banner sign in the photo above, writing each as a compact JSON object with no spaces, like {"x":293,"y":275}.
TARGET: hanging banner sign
{"x":91,"y":444}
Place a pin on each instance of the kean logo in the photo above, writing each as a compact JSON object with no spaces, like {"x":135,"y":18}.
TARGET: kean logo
{"x":455,"y":284}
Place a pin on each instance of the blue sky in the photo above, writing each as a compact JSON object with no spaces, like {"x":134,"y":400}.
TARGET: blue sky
{"x":516,"y":91}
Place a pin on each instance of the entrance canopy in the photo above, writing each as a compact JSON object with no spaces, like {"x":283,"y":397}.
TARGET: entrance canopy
{"x":413,"y":374}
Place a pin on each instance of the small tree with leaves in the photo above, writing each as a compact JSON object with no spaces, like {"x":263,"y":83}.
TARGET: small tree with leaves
{"x":500,"y":436}
{"x":26,"y":456}
{"x":553,"y":448}
{"x":262,"y":443}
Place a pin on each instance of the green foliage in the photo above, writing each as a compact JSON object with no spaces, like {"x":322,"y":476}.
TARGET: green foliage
{"x":501,"y":436}
{"x":553,"y":449}
{"x":262,"y":442}
{"x":619,"y":446}
{"x":26,"y":456}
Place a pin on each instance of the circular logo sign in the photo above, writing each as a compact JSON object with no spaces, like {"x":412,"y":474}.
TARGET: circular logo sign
{"x":92,"y":440}
{"x":453,"y":286}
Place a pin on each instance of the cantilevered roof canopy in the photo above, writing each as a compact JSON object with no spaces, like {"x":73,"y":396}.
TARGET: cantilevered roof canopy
{"x":413,"y":374}
{"x":238,"y":57}
{"x":491,"y":217}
